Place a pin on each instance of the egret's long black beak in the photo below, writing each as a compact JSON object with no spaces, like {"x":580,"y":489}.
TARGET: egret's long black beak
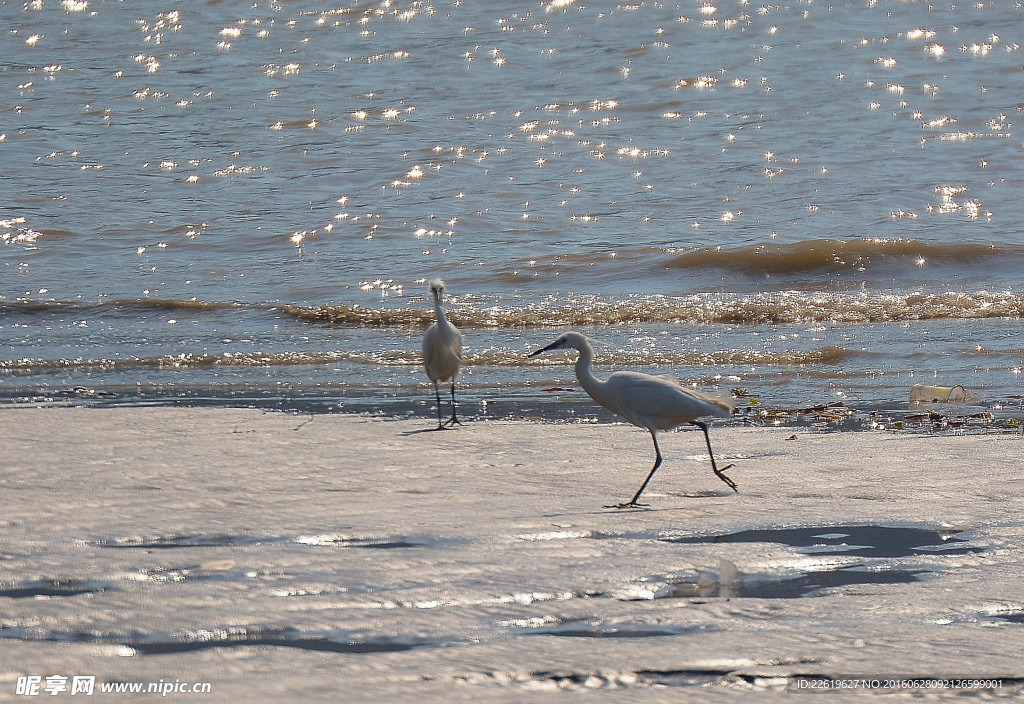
{"x":553,"y":345}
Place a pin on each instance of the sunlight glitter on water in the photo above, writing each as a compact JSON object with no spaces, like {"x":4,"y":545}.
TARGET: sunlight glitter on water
{"x":562,"y":142}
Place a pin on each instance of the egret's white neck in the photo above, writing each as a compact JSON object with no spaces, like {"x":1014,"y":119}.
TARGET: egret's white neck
{"x":590,"y":383}
{"x":438,"y":309}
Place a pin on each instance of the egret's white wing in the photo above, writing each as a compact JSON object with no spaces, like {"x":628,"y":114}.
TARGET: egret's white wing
{"x":442,"y":351}
{"x":456,"y":345}
{"x":644,"y":400}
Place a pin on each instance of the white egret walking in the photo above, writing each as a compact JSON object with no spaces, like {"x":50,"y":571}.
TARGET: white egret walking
{"x":652,"y":402}
{"x":442,"y":351}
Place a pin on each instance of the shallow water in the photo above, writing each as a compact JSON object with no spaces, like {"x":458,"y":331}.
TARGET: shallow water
{"x":810,"y":202}
{"x":306,"y":556}
{"x":862,"y":541}
{"x":806,"y":585}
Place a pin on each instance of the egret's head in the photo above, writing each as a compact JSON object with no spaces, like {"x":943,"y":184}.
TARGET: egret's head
{"x":436,"y":287}
{"x":570,"y":339}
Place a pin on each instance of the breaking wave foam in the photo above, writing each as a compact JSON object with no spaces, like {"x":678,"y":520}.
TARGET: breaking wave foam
{"x":781,"y":307}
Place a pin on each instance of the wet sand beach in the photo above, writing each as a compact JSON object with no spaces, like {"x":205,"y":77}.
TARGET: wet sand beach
{"x":295,"y":557}
{"x":814,"y":207}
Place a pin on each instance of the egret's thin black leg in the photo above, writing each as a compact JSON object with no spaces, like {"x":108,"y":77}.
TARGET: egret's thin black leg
{"x":437,"y":395}
{"x":657,"y":463}
{"x":453,"y":420}
{"x":720,"y":473}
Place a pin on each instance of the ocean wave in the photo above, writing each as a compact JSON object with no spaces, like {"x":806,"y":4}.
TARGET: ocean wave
{"x":489,"y":357}
{"x":821,"y":255}
{"x":121,"y":304}
{"x":574,"y":310}
{"x":788,"y":307}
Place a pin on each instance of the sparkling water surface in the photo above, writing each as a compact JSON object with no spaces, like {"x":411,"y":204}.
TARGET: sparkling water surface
{"x":813,"y":202}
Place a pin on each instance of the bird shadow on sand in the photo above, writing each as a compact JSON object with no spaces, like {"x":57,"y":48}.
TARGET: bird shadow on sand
{"x":603,"y":509}
{"x":667,"y":506}
{"x":421,"y":431}
{"x":704,"y":494}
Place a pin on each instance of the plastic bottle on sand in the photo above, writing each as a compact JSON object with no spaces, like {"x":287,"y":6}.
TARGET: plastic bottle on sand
{"x":923,"y":393}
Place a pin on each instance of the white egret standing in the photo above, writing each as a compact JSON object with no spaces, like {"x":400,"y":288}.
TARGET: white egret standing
{"x":652,"y":402}
{"x":442,"y":351}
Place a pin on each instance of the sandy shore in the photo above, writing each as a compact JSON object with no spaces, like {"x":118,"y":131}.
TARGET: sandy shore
{"x":299,"y":558}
